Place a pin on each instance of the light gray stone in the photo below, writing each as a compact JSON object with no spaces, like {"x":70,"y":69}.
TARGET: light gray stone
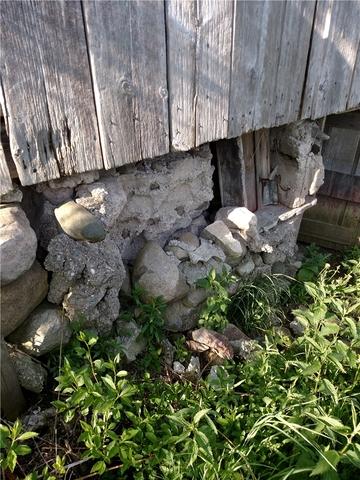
{"x":43,"y":331}
{"x":158,"y":274}
{"x":295,"y":139}
{"x":86,"y":279}
{"x":21,"y":297}
{"x":222,"y":236}
{"x":130,"y":339}
{"x":31,"y":374}
{"x":13,"y":196}
{"x":246,"y":267}
{"x":205,"y":252}
{"x":195,"y":297}
{"x":190,"y":239}
{"x":105,"y":199}
{"x":241,"y":343}
{"x":18,"y":243}
{"x":178,"y":368}
{"x":79,"y":223}
{"x":180,"y":318}
{"x":193,"y":273}
{"x":237,"y":217}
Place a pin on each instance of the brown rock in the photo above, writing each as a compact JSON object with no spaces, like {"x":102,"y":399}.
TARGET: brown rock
{"x":21,"y":297}
{"x":216,"y":342}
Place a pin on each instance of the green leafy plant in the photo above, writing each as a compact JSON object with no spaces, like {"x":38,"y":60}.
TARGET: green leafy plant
{"x":214,"y":312}
{"x":12,"y":444}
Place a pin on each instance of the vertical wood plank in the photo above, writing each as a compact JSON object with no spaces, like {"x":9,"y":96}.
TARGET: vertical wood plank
{"x":354,"y":96}
{"x":248,"y":148}
{"x":128,"y":60}
{"x":231,"y":170}
{"x":199,"y":46}
{"x":334,"y":48}
{"x":5,"y":177}
{"x":47,"y":94}
{"x":271,"y":41}
{"x":181,"y":34}
{"x":213,"y":68}
{"x":262,"y":161}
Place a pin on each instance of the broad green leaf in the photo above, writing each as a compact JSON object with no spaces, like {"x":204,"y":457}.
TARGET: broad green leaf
{"x":99,"y":467}
{"x":311,"y":369}
{"x":198,"y":416}
{"x":326,"y":464}
{"x":109,"y":382}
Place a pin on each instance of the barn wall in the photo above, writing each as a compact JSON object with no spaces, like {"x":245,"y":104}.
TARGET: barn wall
{"x":93,"y":85}
{"x":335,"y":221}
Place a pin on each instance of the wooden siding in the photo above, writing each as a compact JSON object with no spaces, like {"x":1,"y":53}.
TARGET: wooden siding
{"x":91,"y":85}
{"x":335,"y":221}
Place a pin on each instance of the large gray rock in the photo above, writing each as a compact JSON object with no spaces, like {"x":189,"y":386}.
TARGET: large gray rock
{"x":18,"y":243}
{"x":86,"y":279}
{"x":45,"y":330}
{"x":158,"y":274}
{"x":31,"y":374}
{"x":79,"y":223}
{"x":105,"y":199}
{"x":192,"y":273}
{"x":21,"y":297}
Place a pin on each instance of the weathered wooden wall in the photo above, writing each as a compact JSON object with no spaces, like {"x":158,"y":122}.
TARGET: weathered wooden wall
{"x":91,"y":85}
{"x":335,"y":221}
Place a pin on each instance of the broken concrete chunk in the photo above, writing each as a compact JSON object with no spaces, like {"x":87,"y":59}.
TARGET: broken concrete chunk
{"x":106,"y":198}
{"x":237,"y":217}
{"x":158,"y":275}
{"x":79,"y":223}
{"x":221,"y":235}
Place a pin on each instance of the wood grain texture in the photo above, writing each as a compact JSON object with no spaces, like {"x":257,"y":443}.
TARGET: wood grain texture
{"x":213,"y":68}
{"x":332,"y":59}
{"x":5,"y":177}
{"x":271,"y":41}
{"x":250,"y":178}
{"x":262,"y":163}
{"x":47,"y":90}
{"x":199,"y":46}
{"x":354,"y":95}
{"x":128,"y":60}
{"x":231,"y":171}
{"x":181,"y":31}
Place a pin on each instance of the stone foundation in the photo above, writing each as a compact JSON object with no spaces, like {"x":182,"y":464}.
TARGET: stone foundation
{"x":99,"y":233}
